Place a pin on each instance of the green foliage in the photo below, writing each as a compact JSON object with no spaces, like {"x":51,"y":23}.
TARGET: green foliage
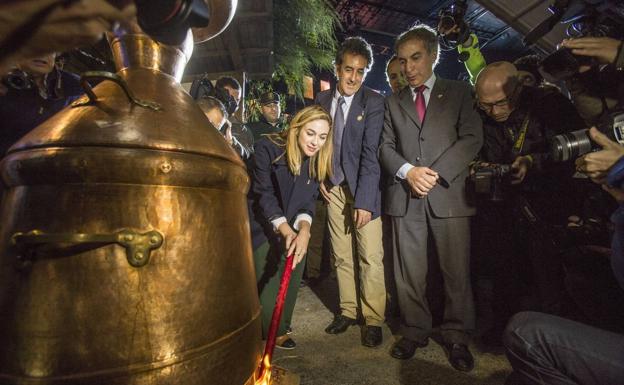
{"x":304,"y":39}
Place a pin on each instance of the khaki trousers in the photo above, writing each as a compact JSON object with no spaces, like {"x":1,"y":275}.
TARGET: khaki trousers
{"x":369,"y":257}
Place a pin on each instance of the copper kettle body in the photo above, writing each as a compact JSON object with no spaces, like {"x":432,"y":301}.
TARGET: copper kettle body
{"x":126,"y":252}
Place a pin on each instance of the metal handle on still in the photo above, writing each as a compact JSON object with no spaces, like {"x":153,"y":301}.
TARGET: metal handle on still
{"x":138,"y":245}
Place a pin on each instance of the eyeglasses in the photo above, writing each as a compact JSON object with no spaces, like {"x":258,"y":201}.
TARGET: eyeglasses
{"x":490,"y":106}
{"x":500,"y":103}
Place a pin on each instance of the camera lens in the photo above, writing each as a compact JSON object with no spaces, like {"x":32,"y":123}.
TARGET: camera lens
{"x":570,"y":145}
{"x":446,"y":22}
{"x":18,"y":80}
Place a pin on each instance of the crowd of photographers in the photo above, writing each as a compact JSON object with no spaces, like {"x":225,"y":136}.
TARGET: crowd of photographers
{"x":531,"y":178}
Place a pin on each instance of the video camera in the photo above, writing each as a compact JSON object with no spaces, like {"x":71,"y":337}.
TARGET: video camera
{"x":576,"y":143}
{"x":584,"y":18}
{"x":450,"y":16}
{"x":490,"y":179}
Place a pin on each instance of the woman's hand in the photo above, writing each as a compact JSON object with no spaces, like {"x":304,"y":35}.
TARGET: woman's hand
{"x":288,"y":234}
{"x":299,"y":246}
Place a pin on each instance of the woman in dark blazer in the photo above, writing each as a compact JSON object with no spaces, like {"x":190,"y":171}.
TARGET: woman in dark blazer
{"x":286,"y":170}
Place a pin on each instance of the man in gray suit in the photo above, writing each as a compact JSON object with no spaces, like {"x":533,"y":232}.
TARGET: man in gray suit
{"x":431,"y":133}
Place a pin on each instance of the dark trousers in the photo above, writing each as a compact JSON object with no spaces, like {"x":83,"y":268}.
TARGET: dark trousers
{"x":519,"y":258}
{"x":545,"y":349}
{"x":269,"y":262}
{"x":451,"y":237}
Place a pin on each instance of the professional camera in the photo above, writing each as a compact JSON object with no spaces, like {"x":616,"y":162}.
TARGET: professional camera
{"x":450,"y":16}
{"x":490,"y":179}
{"x":576,"y":143}
{"x":562,"y":65}
{"x":168,"y":21}
{"x":584,"y":20}
{"x":203,"y":87}
{"x":18,"y":80}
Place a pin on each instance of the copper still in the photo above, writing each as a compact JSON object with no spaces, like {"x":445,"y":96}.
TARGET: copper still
{"x":126,"y":252}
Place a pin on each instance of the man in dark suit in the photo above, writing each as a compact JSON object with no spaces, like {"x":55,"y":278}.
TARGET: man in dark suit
{"x":431,"y":133}
{"x":353,"y":195}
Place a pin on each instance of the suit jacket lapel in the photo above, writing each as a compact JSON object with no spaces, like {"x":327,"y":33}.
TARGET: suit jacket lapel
{"x":356,"y":109}
{"x":326,"y":100}
{"x":406,"y":101}
{"x":436,"y":100}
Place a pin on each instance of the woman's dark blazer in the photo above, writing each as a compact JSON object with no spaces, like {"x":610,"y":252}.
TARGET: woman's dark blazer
{"x":275,"y":192}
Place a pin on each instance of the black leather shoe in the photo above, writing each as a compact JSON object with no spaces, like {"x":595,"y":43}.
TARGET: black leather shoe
{"x":285,"y":342}
{"x":405,"y":348}
{"x":340,"y":324}
{"x":372,"y":336}
{"x":460,"y":357}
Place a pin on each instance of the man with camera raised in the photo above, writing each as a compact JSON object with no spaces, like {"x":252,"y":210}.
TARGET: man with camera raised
{"x":513,"y":231}
{"x":547,"y":349}
{"x":596,"y":87}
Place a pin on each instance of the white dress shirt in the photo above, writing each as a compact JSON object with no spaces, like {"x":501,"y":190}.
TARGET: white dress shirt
{"x":346,"y":106}
{"x":403,"y":170}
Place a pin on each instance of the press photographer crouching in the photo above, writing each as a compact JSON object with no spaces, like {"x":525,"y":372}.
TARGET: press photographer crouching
{"x":514,"y":219}
{"x":31,"y":93}
{"x":544,"y":349}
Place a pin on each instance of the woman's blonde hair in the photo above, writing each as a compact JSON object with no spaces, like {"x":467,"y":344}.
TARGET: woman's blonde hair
{"x":321,"y":162}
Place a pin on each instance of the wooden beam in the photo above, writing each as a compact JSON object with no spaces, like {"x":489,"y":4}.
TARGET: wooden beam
{"x":187,"y":78}
{"x":255,"y":15}
{"x":231,"y":41}
{"x":227,"y":52}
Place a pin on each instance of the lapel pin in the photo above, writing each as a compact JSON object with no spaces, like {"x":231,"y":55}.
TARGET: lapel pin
{"x":440,"y":96}
{"x":359,"y":117}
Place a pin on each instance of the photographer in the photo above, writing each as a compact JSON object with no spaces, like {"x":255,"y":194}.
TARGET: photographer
{"x":35,"y":90}
{"x":468,"y":48}
{"x":222,"y":99}
{"x":546,"y":349}
{"x":217,"y":114}
{"x":518,"y":124}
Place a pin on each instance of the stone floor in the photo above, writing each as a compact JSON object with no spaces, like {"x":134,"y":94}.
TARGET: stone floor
{"x":322,"y":359}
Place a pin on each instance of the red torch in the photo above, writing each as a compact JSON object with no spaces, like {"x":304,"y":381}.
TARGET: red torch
{"x":264,"y":370}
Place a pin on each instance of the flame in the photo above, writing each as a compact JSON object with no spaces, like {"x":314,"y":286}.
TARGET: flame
{"x":265,"y":372}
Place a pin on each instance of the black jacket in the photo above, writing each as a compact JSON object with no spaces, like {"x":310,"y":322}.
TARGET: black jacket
{"x":262,"y":127}
{"x":550,"y":113}
{"x":548,"y":185}
{"x":275,"y":192}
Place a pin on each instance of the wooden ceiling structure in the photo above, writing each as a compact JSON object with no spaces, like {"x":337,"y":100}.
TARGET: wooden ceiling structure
{"x":245,"y":46}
